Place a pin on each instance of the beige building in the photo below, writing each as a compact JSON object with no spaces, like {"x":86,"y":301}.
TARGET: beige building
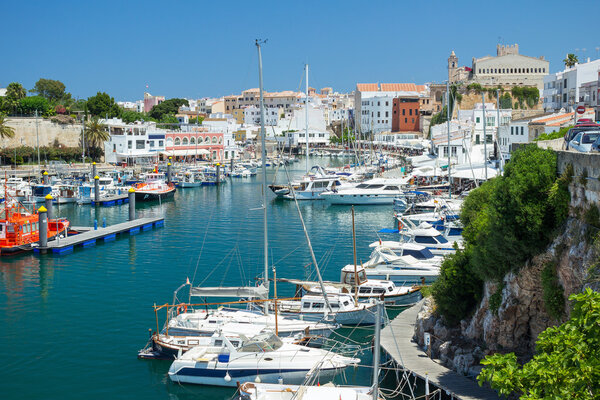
{"x":507,"y":68}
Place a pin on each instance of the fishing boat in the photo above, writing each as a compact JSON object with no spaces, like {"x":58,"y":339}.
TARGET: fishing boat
{"x":190,"y":179}
{"x":19,"y":228}
{"x":66,"y":193}
{"x":262,"y":358}
{"x":154,"y":188}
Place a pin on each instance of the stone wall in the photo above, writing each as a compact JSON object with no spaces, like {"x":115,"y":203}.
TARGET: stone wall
{"x":49,"y":132}
{"x":583,"y":164}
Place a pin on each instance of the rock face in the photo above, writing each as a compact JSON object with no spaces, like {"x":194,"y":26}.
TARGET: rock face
{"x":522,"y":314}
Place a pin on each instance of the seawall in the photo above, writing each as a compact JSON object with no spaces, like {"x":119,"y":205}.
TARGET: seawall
{"x":50,"y":133}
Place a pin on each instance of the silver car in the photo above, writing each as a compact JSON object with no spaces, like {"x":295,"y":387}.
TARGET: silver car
{"x":583,"y":141}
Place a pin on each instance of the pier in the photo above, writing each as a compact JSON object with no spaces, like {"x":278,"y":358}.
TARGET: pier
{"x":397,"y":343}
{"x":112,"y":200}
{"x":89,"y":236}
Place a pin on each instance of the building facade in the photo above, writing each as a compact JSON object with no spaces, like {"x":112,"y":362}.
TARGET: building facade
{"x":132,"y":143}
{"x":562,"y":89}
{"x":406,"y":116}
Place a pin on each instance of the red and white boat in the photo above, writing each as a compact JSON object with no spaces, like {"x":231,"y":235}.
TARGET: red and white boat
{"x":19,"y":228}
{"x":154,"y":187}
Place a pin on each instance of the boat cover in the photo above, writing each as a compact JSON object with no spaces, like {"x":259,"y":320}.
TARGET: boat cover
{"x":260,"y":292}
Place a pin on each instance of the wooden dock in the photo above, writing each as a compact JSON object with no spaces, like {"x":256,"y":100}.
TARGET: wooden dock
{"x":396,"y":341}
{"x":89,"y":236}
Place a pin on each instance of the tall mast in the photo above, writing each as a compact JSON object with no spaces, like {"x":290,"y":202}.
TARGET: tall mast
{"x":264,"y":167}
{"x":354,"y":251}
{"x":448,"y":119}
{"x":306,"y":117}
{"x":485,"y":156}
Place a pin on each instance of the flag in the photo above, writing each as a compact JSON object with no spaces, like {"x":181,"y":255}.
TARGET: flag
{"x":468,"y":69}
{"x":187,"y":281}
{"x":146,"y":86}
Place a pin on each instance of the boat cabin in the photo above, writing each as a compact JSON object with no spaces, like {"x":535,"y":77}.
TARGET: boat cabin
{"x":316,"y":304}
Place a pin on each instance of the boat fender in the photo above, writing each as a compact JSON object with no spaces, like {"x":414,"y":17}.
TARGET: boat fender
{"x":227,"y":377}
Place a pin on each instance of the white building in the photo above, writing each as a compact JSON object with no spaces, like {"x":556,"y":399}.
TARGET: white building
{"x":476,"y":117}
{"x":252,"y":116}
{"x":133,"y":143}
{"x":561,"y":90}
{"x":374,"y":102}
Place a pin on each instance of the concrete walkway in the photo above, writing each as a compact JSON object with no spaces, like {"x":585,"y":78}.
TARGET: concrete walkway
{"x":396,"y":340}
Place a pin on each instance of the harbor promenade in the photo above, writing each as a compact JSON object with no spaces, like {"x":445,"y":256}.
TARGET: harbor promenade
{"x":396,"y":341}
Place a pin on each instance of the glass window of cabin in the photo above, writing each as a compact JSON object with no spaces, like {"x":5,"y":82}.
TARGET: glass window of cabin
{"x":306,"y":305}
{"x":391,"y":188}
{"x":364,"y":290}
{"x":378,"y":290}
{"x":391,"y":288}
{"x":218,"y":343}
{"x":317,"y":305}
{"x":346,"y":303}
{"x":425,"y":239}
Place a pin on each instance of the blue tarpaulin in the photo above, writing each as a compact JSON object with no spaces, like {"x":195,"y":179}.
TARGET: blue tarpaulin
{"x":387,"y":230}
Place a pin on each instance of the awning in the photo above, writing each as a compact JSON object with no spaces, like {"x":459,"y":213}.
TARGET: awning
{"x":181,"y":152}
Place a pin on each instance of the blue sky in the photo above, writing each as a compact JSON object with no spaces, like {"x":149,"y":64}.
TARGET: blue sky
{"x":199,"y":48}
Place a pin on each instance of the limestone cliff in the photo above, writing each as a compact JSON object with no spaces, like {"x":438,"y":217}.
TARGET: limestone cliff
{"x":522,"y":313}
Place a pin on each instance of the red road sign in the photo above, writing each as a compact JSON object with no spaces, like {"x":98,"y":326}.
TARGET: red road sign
{"x":580,"y":109}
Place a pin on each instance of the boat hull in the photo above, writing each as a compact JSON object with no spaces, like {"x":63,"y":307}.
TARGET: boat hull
{"x":358,"y":199}
{"x":150,"y":195}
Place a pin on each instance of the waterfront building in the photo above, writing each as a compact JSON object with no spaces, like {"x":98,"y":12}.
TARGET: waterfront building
{"x":132,"y":143}
{"x":373,"y":103}
{"x":507,"y":68}
{"x":406,"y":116}
{"x":197,"y":141}
{"x":562,"y":89}
{"x":252,"y":116}
{"x":476,"y":116}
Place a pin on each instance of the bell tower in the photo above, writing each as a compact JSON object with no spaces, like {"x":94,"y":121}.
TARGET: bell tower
{"x":452,"y":67}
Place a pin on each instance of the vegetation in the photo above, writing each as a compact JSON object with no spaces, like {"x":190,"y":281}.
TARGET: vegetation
{"x":29,"y":105}
{"x":567,"y":360}
{"x":102,"y":105}
{"x":570,"y":60}
{"x":441,"y":117}
{"x":505,"y":101}
{"x":553,"y":292}
{"x":506,"y":221}
{"x":554,"y":135}
{"x":169,"y":106}
{"x":457,"y":290}
{"x":129,"y":116}
{"x":526,"y":96}
{"x":346,"y":135}
{"x":5,"y":130}
{"x":195,"y":120}
{"x":496,"y":298}
{"x":53,"y":91}
{"x":95,"y":136}
{"x":25,"y":154}
{"x":14,"y":93}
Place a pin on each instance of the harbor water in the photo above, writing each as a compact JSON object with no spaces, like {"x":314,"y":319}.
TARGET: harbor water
{"x":72,"y":325}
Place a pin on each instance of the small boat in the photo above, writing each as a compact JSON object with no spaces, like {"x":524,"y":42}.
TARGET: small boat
{"x":384,"y":264}
{"x":154,"y":188}
{"x":229,"y":360}
{"x":66,"y":193}
{"x":19,"y":228}
{"x":190,"y":179}
{"x":374,"y":191}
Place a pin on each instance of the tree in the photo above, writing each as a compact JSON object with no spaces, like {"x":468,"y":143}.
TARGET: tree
{"x":30,"y":104}
{"x":52,"y":90}
{"x":567,"y":360}
{"x":95,"y":134}
{"x":102,"y":105}
{"x":130,"y":116}
{"x":14,"y":93}
{"x":571,"y":60}
{"x":170,"y":106}
{"x":5,"y":130}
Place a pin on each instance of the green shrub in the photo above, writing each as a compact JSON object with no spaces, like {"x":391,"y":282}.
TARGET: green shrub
{"x":496,"y":298}
{"x":583,"y":178}
{"x":474,"y":86}
{"x":457,"y":290}
{"x":554,"y":301}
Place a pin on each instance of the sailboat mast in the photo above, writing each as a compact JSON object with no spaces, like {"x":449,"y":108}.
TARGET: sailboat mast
{"x":306,"y":117}
{"x":264,"y":167}
{"x":376,"y":350}
{"x":354,"y":251}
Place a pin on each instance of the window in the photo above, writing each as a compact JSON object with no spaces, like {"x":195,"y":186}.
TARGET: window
{"x":490,"y":121}
{"x":476,"y":139}
{"x":453,"y":150}
{"x":387,"y":103}
{"x":207,"y":140}
{"x":410,"y":112}
{"x":177,"y":141}
{"x":184,"y":142}
{"x":387,"y":114}
{"x":378,"y":114}
{"x":406,"y":120}
{"x":192,"y":141}
{"x":565,"y":83}
{"x":522,"y":129}
{"x":220,"y":140}
{"x":160,"y":143}
{"x":512,"y":130}
{"x":403,"y":111}
{"x":140,"y":144}
{"x":445,"y":151}
{"x":129,"y":144}
{"x":477,"y":120}
{"x":378,"y":103}
{"x":151,"y":143}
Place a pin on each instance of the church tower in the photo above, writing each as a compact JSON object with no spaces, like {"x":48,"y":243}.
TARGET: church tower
{"x":452,"y":67}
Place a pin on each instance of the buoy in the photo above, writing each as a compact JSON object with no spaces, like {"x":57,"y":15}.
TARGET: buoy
{"x":227,"y":377}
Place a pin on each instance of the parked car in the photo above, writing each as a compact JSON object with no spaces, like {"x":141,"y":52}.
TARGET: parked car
{"x":584,"y":140}
{"x":596,"y":146}
{"x":579,"y":128}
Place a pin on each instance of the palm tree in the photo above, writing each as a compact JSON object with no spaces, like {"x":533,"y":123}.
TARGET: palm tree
{"x":571,"y":60}
{"x":95,"y":133}
{"x":5,"y":130}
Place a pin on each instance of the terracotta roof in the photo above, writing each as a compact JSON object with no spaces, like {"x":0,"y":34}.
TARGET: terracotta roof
{"x":367,"y":87}
{"x":554,"y":118}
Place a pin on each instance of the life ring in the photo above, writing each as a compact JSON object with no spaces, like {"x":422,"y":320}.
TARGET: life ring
{"x":182,"y":308}
{"x":400,"y":226}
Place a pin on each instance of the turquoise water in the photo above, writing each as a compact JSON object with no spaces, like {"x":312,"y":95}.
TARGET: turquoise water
{"x":72,"y":325}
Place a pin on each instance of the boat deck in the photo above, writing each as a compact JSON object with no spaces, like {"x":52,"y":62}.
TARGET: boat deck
{"x":89,"y":236}
{"x":396,"y":341}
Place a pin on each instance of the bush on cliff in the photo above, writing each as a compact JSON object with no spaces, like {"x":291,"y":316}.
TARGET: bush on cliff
{"x":506,"y":221}
{"x":457,"y":290}
{"x":567,"y":360}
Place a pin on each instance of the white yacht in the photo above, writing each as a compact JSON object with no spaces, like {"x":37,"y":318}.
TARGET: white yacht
{"x":384,"y":264}
{"x":405,"y":248}
{"x":229,"y":360}
{"x":374,"y":191}
{"x":311,"y":186}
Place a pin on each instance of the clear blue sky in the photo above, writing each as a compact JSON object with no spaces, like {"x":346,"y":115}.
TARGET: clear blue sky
{"x":206,"y":48}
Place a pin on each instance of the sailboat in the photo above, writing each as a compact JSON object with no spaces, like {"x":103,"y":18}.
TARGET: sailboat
{"x":185,"y":322}
{"x":280,"y":391}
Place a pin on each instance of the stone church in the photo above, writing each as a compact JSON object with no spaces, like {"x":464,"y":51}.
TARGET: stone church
{"x":508,"y":68}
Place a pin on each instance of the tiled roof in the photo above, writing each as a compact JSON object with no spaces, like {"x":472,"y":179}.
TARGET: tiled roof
{"x":555,"y":118}
{"x":367,"y":87}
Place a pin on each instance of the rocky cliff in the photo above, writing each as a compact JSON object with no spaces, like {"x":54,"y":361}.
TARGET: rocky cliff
{"x":510,"y":316}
